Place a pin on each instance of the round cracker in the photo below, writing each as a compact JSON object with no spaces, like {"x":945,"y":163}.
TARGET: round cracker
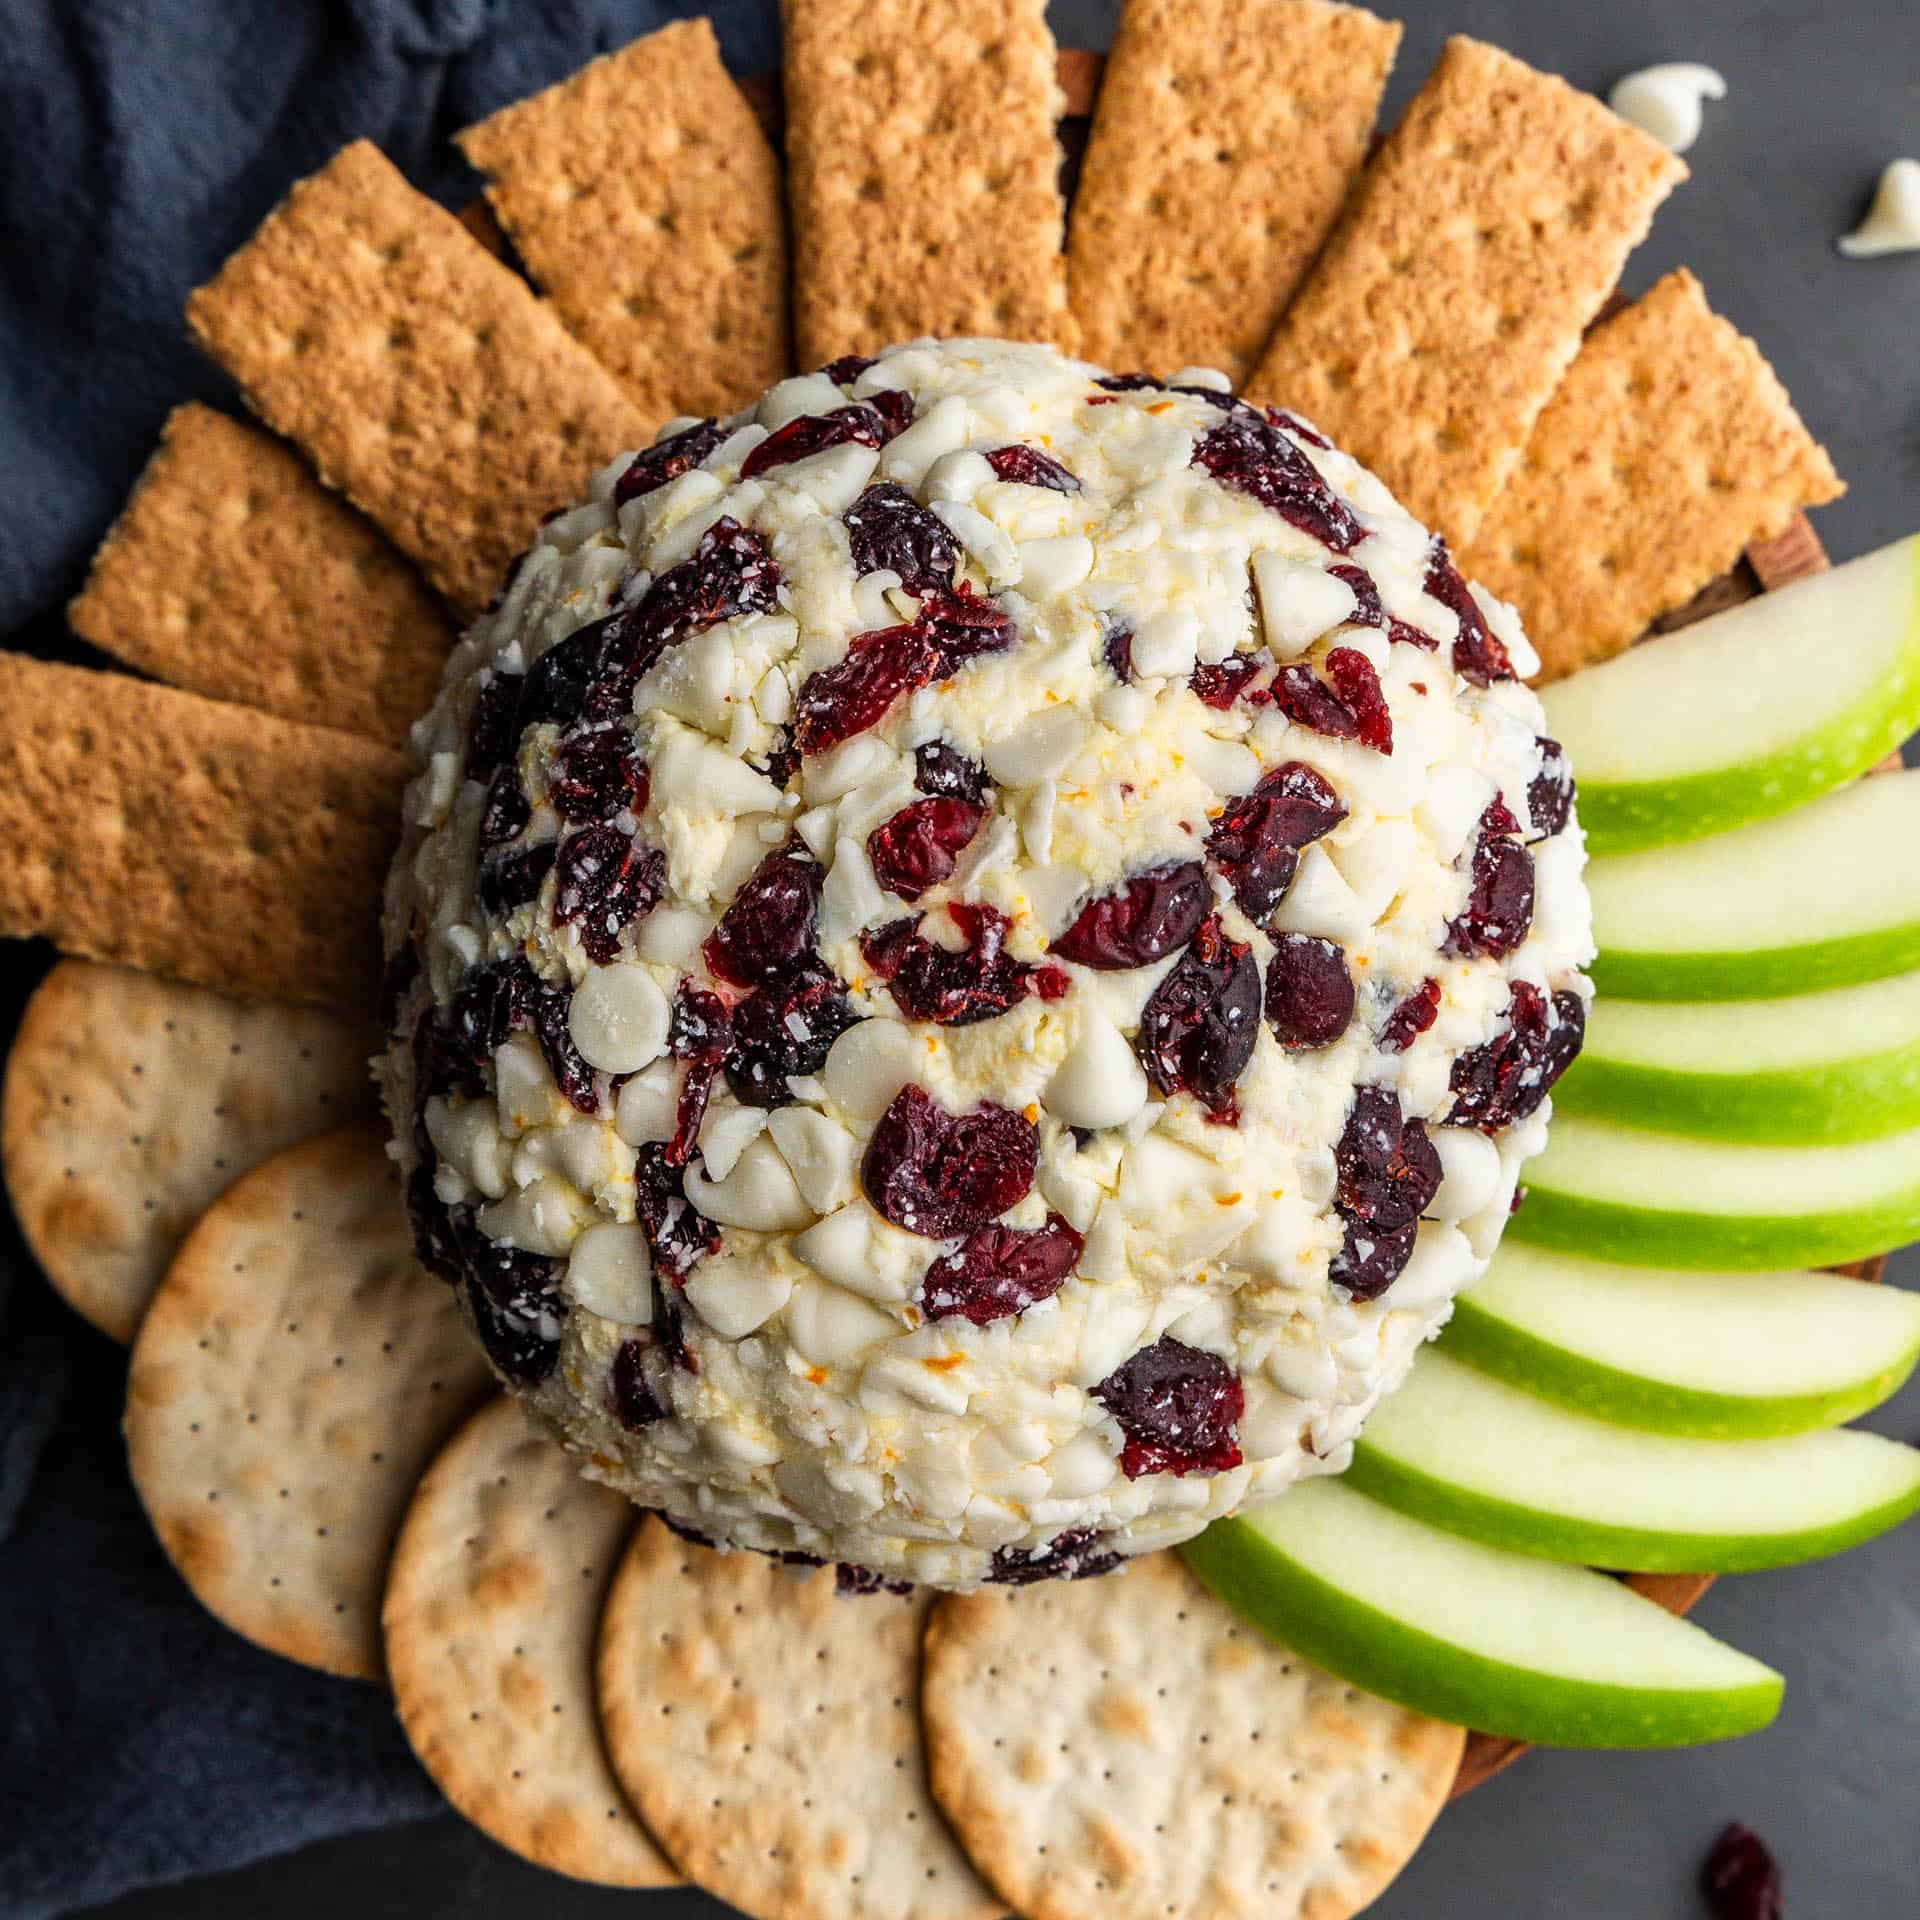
{"x":294,"y":1375}
{"x":131,"y":1103}
{"x":1126,"y":1747}
{"x":493,"y":1599}
{"x":766,"y":1728}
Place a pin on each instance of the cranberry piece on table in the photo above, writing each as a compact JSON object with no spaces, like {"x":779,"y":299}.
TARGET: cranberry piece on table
{"x":1740,"y":1878}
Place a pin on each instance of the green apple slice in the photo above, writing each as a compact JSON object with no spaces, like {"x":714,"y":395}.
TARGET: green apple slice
{"x":1515,"y":1646}
{"x":1751,"y":713}
{"x":1660,"y":1199}
{"x":1825,"y":897}
{"x":1464,"y":1451}
{"x":1717,"y":1355}
{"x":1815,"y":1069}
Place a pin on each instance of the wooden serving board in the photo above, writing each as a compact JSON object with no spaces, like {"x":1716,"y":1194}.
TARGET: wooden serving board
{"x":1765,"y":567}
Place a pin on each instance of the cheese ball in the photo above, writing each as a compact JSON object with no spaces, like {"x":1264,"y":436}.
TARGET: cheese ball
{"x":977,"y":952}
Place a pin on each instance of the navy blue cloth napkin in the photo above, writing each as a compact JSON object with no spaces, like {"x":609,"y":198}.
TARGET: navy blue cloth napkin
{"x":140,"y":141}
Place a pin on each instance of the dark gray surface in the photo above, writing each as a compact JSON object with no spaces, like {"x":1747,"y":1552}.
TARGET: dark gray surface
{"x":1820,"y":96}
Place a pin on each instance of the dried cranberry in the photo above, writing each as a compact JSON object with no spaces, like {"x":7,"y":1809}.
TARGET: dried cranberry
{"x":629,"y":1392}
{"x":596,"y":773}
{"x":700,"y":1032}
{"x":1254,"y":457}
{"x":998,"y":1271}
{"x":1370,"y":1258}
{"x":920,"y":845}
{"x":888,"y":528}
{"x":1178,"y":1407}
{"x":1507,"y":1077}
{"x":1256,"y":842}
{"x":853,"y":425}
{"x":956,"y":989}
{"x":851,"y":1582}
{"x":730,"y":573}
{"x":1550,"y":791}
{"x":1740,"y":1878}
{"x":847,"y":369}
{"x":895,"y":408}
{"x":855,"y":693}
{"x":556,"y":686}
{"x":1143,"y":920}
{"x":944,"y":770}
{"x":667,"y":460}
{"x":1309,"y":992}
{"x":439,"y":1231}
{"x":452,"y":1051}
{"x":1072,"y":1555}
{"x":681,"y":1530}
{"x":771,"y":922}
{"x":1368,"y":612}
{"x":786,"y":1027}
{"x":507,"y":813}
{"x":784,"y":760}
{"x":962,"y":626}
{"x":510,"y":880}
{"x":1358,"y":685}
{"x":943,"y":1174}
{"x":517,"y":1307}
{"x":1117,"y":650}
{"x":677,"y":1231}
{"x":1477,"y":655}
{"x":1221,"y":684}
{"x":1496,"y":818}
{"x":1129,"y":383}
{"x":607,"y":880}
{"x":1029,"y":467}
{"x":1500,"y":902}
{"x":571,"y":1074}
{"x":1280,"y":417}
{"x":1388,"y":1169}
{"x":493,"y":728}
{"x":1411,"y":1018}
{"x":1199,"y":1024}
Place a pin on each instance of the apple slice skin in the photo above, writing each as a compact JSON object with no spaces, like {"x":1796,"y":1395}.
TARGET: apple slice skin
{"x":1630,"y":816}
{"x":1859,"y":1099}
{"x":1771,"y":973}
{"x":1654,"y":1237}
{"x":1572,"y":1380}
{"x":1298,"y":1609}
{"x":1507,"y":1524}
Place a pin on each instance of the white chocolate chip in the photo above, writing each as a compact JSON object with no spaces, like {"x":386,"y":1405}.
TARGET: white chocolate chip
{"x":1038,"y":748}
{"x":851,"y":897}
{"x":869,"y":1064}
{"x":1166,"y":645}
{"x":1321,"y":902}
{"x":545,"y":1217}
{"x":1054,"y":566}
{"x":1442,"y":1262}
{"x":610,"y":1272}
{"x":758,"y":1193}
{"x":820,"y":1154}
{"x":1469,"y":1172}
{"x":618,"y":1019}
{"x":644,"y":1110}
{"x":726,"y":1132}
{"x":856,"y":1249}
{"x":735,"y":1296}
{"x":1100,"y":1082}
{"x":828,"y":1324}
{"x":1664,"y":101}
{"x":957,"y":476}
{"x":467,"y":1137}
{"x":1892,"y":224}
{"x":1298,"y":603}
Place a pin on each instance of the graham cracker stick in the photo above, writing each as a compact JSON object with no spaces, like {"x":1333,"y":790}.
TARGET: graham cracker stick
{"x":192,"y":838}
{"x":232,"y":572}
{"x":645,"y":199}
{"x":423,"y":379}
{"x":1225,"y":138}
{"x":1439,"y":319}
{"x":1668,"y":448}
{"x":923,"y":172}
